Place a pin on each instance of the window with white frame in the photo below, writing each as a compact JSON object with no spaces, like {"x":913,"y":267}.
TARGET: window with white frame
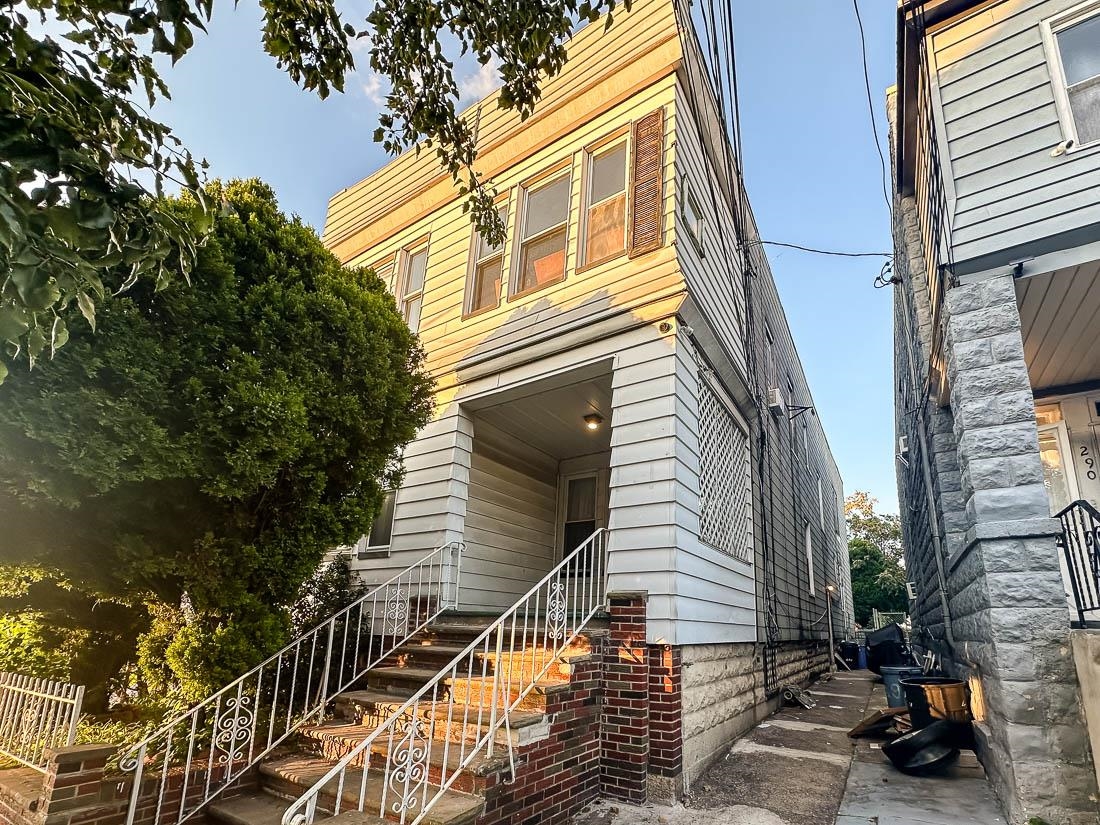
{"x":692,"y":215}
{"x":821,"y":502}
{"x":810,"y":557}
{"x":486,"y":270}
{"x":1073,"y":51}
{"x":411,"y":299}
{"x":544,"y":233}
{"x":605,"y":203}
{"x":725,"y":518}
{"x":384,"y":270}
{"x":377,"y":541}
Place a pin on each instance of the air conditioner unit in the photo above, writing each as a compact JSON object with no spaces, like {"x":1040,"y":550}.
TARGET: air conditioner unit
{"x":911,"y":591}
{"x":776,"y":404}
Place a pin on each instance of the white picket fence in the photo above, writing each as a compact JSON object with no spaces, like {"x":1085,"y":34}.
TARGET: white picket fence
{"x":35,"y":715}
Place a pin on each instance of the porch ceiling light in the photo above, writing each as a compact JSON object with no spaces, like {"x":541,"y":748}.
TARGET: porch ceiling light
{"x":593,"y":421}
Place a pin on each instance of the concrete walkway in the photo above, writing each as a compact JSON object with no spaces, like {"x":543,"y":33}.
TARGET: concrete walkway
{"x":876,"y":793}
{"x":800,"y":768}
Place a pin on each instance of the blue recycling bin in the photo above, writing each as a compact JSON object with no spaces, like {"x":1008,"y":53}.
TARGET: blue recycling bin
{"x":862,"y":657}
{"x":891,"y":677}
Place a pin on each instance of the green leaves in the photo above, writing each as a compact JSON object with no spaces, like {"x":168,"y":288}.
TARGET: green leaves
{"x":213,"y":440}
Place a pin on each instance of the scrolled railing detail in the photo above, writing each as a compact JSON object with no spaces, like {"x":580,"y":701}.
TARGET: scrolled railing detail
{"x":227,"y":733}
{"x":421,"y":749}
{"x":1080,"y":545}
{"x":35,"y":715}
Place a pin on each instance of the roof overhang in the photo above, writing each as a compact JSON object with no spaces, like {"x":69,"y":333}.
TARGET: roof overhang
{"x":915,"y":17}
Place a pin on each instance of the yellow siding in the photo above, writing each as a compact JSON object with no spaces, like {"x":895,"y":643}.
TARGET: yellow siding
{"x":604,"y":68}
{"x":618,"y":288}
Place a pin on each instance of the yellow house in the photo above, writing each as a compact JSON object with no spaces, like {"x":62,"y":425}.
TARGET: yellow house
{"x":593,"y":371}
{"x":620,"y":536}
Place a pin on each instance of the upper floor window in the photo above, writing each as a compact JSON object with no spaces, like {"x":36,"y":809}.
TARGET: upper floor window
{"x":411,"y":298}
{"x":605,"y":203}
{"x":544,"y":234}
{"x":1073,"y":48}
{"x":692,"y":215}
{"x":486,"y":271}
{"x":384,"y":270}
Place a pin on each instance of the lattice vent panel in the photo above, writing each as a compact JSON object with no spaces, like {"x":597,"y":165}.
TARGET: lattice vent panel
{"x":724,"y":480}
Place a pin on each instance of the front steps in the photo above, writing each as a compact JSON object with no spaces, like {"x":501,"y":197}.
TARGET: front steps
{"x":358,"y":712}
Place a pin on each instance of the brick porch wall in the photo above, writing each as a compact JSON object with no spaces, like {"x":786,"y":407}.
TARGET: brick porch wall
{"x":78,"y":790}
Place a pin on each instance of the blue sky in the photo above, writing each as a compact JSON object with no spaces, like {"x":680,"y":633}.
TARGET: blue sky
{"x":813,"y":176}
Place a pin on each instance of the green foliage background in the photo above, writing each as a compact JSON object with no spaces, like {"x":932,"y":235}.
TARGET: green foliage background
{"x":876,"y":555}
{"x":176,"y":475}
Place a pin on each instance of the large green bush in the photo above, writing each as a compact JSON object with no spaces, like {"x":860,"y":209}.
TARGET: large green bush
{"x":181,"y":470}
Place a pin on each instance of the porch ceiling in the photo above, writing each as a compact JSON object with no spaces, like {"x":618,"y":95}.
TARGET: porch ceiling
{"x":552,"y":420}
{"x":1060,"y":318}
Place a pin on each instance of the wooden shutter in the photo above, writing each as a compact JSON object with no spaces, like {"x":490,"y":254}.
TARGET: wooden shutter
{"x":646,"y":176}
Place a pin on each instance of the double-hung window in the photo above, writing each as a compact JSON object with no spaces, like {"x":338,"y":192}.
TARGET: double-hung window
{"x":605,"y":203}
{"x":411,"y":297}
{"x":377,"y":541}
{"x":692,"y":215}
{"x":544,"y":233}
{"x":810,"y":558}
{"x":1073,"y":50}
{"x":485,"y":271}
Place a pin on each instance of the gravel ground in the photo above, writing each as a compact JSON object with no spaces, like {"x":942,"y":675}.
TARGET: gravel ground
{"x":606,"y":812}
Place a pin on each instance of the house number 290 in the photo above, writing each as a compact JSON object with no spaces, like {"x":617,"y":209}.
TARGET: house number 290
{"x":1089,"y":462}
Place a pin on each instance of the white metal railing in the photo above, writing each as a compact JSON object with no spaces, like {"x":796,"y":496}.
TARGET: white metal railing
{"x":36,"y":714}
{"x":220,"y":738}
{"x":424,"y":745}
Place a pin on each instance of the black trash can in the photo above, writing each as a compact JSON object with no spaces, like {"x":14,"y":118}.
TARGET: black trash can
{"x":849,"y":652}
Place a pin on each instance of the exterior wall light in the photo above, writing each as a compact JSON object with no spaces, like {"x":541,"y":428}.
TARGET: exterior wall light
{"x":593,"y":421}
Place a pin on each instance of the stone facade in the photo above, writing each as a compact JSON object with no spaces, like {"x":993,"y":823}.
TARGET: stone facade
{"x":980,"y":545}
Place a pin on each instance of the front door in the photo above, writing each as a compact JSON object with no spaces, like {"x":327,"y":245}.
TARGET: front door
{"x":579,"y":509}
{"x":1058,"y":474}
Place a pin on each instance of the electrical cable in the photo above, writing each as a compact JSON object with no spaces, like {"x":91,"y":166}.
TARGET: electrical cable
{"x":871,"y":110}
{"x":824,"y":251}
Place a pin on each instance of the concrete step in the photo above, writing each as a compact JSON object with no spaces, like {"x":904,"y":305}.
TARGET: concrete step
{"x":403,"y":681}
{"x":251,"y":809}
{"x":481,"y":771}
{"x":291,"y":776}
{"x":368,"y":710}
{"x":479,"y":691}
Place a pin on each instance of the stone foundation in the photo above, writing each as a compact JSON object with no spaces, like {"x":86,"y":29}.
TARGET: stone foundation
{"x":723,"y":694}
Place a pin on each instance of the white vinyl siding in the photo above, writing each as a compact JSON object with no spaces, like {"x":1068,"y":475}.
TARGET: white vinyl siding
{"x":510,"y":520}
{"x":995,"y":88}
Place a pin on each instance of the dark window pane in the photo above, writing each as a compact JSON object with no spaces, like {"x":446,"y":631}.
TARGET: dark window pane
{"x":608,"y":174}
{"x":382,"y":530}
{"x":546,"y":207}
{"x":1080,"y":49}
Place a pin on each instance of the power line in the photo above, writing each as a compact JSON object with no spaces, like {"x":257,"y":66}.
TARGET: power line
{"x":825,"y":251}
{"x":871,"y":110}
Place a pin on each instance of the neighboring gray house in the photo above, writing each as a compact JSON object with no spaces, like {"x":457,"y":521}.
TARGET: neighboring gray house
{"x":996,"y":130}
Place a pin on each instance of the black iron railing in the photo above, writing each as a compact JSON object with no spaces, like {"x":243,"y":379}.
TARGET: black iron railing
{"x":1079,"y":541}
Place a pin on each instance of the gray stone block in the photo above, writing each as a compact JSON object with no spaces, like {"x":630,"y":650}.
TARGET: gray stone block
{"x":1008,"y":346}
{"x":999,"y":290}
{"x":1005,"y":504}
{"x":983,"y":323}
{"x":1001,"y":440}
